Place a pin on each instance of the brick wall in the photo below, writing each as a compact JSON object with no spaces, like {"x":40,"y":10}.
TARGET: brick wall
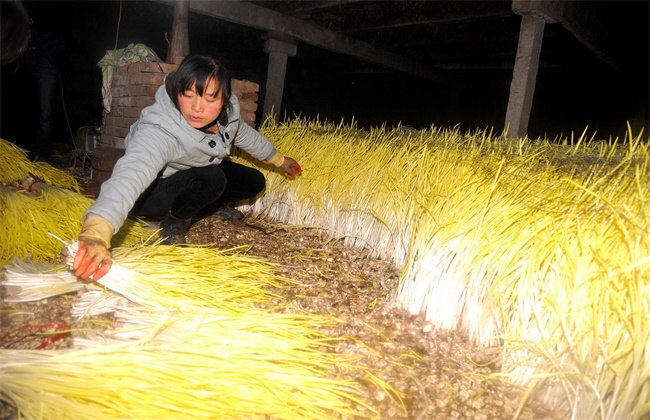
{"x":133,"y":88}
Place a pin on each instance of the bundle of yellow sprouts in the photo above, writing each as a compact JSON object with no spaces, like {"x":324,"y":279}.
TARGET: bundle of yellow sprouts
{"x":171,"y":382}
{"x":191,"y":343}
{"x":15,"y":165}
{"x":38,"y":201}
{"x":541,"y":248}
{"x":28,"y":281}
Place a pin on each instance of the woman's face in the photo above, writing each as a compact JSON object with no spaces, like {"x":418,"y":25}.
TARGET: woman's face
{"x":200,"y":111}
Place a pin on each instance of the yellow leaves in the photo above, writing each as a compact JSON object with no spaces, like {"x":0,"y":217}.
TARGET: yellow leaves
{"x":508,"y":239}
{"x":16,"y":166}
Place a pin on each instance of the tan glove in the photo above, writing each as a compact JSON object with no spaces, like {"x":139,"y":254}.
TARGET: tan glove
{"x":277,"y":159}
{"x":97,"y":229}
{"x":93,"y":259}
{"x":288,"y":165}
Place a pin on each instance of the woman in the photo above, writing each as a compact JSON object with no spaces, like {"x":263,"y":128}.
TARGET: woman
{"x":176,"y":163}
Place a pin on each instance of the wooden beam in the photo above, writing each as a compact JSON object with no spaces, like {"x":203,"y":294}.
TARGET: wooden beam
{"x":522,"y":87}
{"x":278,"y":50}
{"x":314,"y":7}
{"x":433,"y":13}
{"x":179,"y":47}
{"x":248,"y":14}
{"x":588,"y":28}
{"x":549,"y":10}
{"x":579,"y":18}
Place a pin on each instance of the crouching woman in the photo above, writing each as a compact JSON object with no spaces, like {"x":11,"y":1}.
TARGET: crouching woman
{"x":177,"y":163}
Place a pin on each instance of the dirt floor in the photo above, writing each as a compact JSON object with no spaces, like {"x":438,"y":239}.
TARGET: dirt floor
{"x":439,"y":374}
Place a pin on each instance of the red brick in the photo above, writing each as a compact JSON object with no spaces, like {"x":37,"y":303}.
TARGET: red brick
{"x":248,"y":106}
{"x":168,"y":68}
{"x":116,"y":131}
{"x":125,"y":101}
{"x":118,"y":91}
{"x":237,"y":85}
{"x":249,"y":118}
{"x":144,"y":101}
{"x":244,"y":86}
{"x":250,"y":96}
{"x":129,"y":90}
{"x":91,"y":189}
{"x":112,"y":141}
{"x":146,"y":79}
{"x":119,"y":80}
{"x":150,"y":67}
{"x":148,"y":90}
{"x":113,"y":121}
{"x":115,"y":112}
{"x":131,"y":112}
{"x":104,"y":158}
{"x":132,"y":67}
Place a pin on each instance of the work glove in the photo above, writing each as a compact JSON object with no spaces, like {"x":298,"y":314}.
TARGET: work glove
{"x":288,"y":165}
{"x":93,"y":259}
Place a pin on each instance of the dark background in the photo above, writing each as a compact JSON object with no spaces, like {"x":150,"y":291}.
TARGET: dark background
{"x":321,"y":84}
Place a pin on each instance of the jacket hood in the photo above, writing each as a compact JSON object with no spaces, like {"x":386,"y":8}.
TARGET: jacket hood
{"x":172,"y":119}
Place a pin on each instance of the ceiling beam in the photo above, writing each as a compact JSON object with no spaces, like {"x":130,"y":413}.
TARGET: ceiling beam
{"x":313,"y":7}
{"x":433,"y":13}
{"x":590,"y":29}
{"x":580,"y":19}
{"x":248,"y":14}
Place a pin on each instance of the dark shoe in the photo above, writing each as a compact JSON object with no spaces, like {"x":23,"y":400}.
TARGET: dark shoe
{"x":173,"y":229}
{"x":229,"y":214}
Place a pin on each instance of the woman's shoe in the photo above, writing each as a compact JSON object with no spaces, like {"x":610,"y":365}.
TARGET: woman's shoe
{"x":173,"y":230}
{"x":229,"y":214}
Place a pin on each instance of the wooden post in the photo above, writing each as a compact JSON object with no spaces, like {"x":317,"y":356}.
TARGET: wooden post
{"x":535,"y":14}
{"x":279,"y":49}
{"x":179,"y":47}
{"x":524,"y":76}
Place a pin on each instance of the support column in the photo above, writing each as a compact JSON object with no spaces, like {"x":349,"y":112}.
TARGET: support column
{"x":534,"y":13}
{"x":524,"y":75}
{"x":278,"y":50}
{"x":179,"y":47}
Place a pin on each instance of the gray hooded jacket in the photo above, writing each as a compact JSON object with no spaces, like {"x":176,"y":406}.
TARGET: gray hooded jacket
{"x":162,"y":140}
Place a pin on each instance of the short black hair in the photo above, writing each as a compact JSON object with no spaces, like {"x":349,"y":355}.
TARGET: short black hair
{"x":197,"y":70}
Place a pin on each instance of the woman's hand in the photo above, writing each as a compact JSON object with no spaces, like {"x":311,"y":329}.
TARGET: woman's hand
{"x":290,"y":167}
{"x":92,"y":261}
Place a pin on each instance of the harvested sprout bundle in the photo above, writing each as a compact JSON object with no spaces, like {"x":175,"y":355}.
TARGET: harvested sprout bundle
{"x":30,"y":218}
{"x":158,"y":276}
{"x":14,"y":165}
{"x":191,"y":343}
{"x":170,"y":382}
{"x":28,"y":281}
{"x":37,"y":200}
{"x":541,"y":248}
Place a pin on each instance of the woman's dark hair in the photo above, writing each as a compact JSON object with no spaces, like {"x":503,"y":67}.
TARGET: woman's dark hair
{"x":197,"y":70}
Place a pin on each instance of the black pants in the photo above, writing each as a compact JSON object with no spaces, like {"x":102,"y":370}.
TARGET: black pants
{"x":187,"y":192}
{"x":45,"y":75}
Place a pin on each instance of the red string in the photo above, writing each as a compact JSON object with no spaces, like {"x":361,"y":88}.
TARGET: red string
{"x":35,"y":181}
{"x":29,"y":187}
{"x":47,"y":342}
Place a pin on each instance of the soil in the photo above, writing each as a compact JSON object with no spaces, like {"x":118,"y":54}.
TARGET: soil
{"x":438,"y":374}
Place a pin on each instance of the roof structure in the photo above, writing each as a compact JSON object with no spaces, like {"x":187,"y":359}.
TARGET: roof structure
{"x":440,"y":40}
